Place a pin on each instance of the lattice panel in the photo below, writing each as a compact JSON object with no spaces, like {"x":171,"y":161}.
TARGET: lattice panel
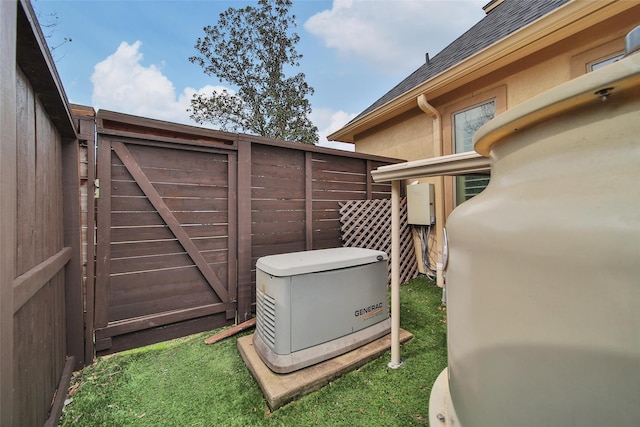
{"x":367,"y":224}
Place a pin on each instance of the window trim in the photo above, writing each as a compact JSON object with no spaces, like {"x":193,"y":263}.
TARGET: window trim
{"x":614,"y":56}
{"x":580,"y":63}
{"x":453,"y":121}
{"x":497,"y":94}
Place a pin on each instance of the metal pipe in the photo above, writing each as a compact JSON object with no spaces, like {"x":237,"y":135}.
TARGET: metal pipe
{"x":395,"y":362}
{"x":435,"y":115}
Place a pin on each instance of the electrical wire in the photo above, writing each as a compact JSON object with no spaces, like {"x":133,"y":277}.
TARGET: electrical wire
{"x":427,"y":250}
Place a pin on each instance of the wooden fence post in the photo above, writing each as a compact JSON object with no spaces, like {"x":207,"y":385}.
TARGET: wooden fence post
{"x":8,"y":11}
{"x":244,"y":231}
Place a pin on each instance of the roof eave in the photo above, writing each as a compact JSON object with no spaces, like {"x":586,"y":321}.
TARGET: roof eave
{"x":557,"y":25}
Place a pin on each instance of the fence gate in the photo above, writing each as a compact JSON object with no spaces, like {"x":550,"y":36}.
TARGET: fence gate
{"x":165,"y":237}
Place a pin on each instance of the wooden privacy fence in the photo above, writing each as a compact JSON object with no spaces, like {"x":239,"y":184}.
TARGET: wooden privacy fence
{"x":41,"y":319}
{"x":173,"y":219}
{"x":367,"y":224}
{"x":183,"y":213}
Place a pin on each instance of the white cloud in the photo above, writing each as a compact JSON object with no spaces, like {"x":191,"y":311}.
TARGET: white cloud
{"x":393,"y":36}
{"x":329,"y":121}
{"x":121,"y":83}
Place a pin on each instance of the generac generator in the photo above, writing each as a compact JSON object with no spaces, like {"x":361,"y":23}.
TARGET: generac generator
{"x":314,"y":305}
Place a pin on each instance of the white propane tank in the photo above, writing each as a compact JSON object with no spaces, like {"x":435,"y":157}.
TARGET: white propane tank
{"x":543,"y":275}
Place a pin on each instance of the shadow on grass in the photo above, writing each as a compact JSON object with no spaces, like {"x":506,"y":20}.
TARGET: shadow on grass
{"x":187,"y":383}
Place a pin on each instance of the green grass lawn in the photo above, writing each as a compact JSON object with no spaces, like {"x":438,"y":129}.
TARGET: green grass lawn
{"x":187,"y":383}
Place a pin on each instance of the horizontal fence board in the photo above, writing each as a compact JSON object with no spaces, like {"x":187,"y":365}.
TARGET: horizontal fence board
{"x":210,"y":244}
{"x":132,"y":234}
{"x":201,"y":218}
{"x":163,"y":298}
{"x":292,"y":183}
{"x":199,"y":206}
{"x":279,"y":238}
{"x":258,"y":251}
{"x":324,"y":214}
{"x":153,"y":306}
{"x":132,"y":249}
{"x":125,"y":250}
{"x":319,"y":243}
{"x":135,"y":219}
{"x":270,"y":193}
{"x":326,"y":233}
{"x":271,"y":155}
{"x":357,"y":187}
{"x":206,"y":230}
{"x":163,"y":333}
{"x":376,"y":195}
{"x":339,"y":196}
{"x":167,"y":158}
{"x":165,"y":318}
{"x":162,"y":232}
{"x":131,"y":188}
{"x":277,"y":205}
{"x":134,"y":264}
{"x":28,"y":284}
{"x":276,"y":227}
{"x":331,"y":163}
{"x":277,"y":171}
{"x":329,"y":205}
{"x":196,"y":204}
{"x":147,"y":280}
{"x":278,"y":216}
{"x":120,"y":173}
{"x":131,"y":204}
{"x":155,"y":262}
{"x":345,"y":177}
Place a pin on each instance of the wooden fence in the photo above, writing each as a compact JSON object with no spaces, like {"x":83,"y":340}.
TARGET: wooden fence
{"x":183,"y":214}
{"x":264,"y":197}
{"x":40,"y":292}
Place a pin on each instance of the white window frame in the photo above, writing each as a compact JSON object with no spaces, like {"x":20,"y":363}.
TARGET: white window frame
{"x":462,"y":182}
{"x":604,"y":61}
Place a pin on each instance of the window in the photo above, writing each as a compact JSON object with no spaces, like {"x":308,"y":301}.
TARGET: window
{"x":599,"y":63}
{"x":596,"y":57}
{"x":467,"y":113}
{"x":465,"y":124}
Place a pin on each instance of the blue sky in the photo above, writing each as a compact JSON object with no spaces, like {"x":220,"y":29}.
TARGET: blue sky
{"x":132,"y":56}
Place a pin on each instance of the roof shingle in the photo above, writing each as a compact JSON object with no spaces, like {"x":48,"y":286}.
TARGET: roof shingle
{"x":506,"y":18}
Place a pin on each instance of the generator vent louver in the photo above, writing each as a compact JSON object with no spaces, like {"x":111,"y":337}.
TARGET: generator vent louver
{"x":266,"y":324}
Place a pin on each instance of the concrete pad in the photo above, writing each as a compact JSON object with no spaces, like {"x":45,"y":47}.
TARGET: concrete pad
{"x":280,"y":389}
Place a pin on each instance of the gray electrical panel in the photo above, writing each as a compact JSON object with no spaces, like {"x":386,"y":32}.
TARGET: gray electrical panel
{"x":420,"y":204}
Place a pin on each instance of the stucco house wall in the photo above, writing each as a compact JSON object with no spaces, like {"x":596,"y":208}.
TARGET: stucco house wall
{"x":408,"y":133}
{"x":403,"y":136}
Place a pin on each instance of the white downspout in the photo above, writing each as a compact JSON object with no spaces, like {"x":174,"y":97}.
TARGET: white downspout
{"x":396,"y":362}
{"x":424,"y":105}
